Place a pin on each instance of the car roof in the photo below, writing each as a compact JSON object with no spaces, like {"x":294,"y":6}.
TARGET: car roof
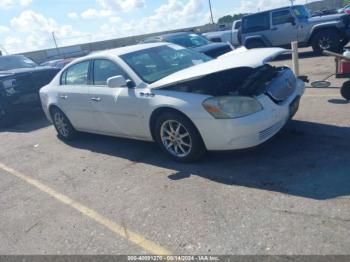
{"x":272,"y":10}
{"x":123,"y":50}
{"x":176,"y":34}
{"x":165,"y":37}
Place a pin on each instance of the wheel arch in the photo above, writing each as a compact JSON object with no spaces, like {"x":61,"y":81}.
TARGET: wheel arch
{"x":318,"y":29}
{"x":257,"y":38}
{"x":162,"y":110}
{"x":51,"y":107}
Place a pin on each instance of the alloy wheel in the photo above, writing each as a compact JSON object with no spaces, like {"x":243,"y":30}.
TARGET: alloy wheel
{"x":61,"y":124}
{"x":176,"y":139}
{"x":325,"y":43}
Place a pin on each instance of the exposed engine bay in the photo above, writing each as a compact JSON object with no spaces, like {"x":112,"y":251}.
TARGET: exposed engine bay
{"x":244,"y":81}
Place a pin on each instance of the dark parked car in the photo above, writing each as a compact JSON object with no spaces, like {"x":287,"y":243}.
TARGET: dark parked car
{"x":20,"y":81}
{"x":193,"y":41}
{"x":59,"y":63}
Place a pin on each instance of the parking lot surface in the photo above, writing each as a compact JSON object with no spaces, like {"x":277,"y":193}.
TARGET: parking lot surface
{"x":103,"y":195}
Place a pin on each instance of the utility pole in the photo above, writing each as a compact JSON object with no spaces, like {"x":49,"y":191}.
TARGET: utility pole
{"x":54,"y":40}
{"x":211,"y":13}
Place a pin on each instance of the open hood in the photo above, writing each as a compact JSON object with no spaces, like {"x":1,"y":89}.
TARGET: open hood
{"x":240,"y":57}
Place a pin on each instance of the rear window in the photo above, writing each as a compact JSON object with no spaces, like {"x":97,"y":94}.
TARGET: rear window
{"x":238,"y":25}
{"x":281,"y":17}
{"x":255,"y":23}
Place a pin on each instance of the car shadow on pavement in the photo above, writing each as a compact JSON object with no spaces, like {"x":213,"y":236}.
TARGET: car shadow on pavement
{"x":27,"y":122}
{"x":338,"y":101}
{"x":305,"y":159}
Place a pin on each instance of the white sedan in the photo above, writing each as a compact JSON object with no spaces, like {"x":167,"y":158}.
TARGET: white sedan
{"x":185,"y":101}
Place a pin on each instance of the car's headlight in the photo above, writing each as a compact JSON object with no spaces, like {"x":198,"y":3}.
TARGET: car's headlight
{"x":225,"y":107}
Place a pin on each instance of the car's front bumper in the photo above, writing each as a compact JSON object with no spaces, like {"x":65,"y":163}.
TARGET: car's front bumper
{"x":250,"y":131}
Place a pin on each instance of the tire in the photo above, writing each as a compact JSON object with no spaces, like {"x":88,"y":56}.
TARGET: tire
{"x":63,"y":126}
{"x":327,"y":40}
{"x":344,"y":42}
{"x":345,"y":90}
{"x":7,"y":118}
{"x":167,"y":132}
{"x":255,"y":44}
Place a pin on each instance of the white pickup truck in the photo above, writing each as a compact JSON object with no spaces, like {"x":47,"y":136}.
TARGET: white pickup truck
{"x":230,"y":36}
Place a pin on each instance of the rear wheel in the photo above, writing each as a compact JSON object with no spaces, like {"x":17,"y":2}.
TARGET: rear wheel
{"x":64,"y":128}
{"x":327,"y":40}
{"x":255,"y":44}
{"x":178,"y":137}
{"x":345,"y":90}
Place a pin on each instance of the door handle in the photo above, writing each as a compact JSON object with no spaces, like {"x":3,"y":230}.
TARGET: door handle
{"x":96,"y":99}
{"x":147,"y":94}
{"x":63,"y":96}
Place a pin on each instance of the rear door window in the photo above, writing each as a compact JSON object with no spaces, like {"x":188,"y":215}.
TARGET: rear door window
{"x":76,"y":74}
{"x":256,"y":23}
{"x":281,"y":17}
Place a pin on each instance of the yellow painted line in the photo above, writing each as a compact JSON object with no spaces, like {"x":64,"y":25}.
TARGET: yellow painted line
{"x":122,"y":231}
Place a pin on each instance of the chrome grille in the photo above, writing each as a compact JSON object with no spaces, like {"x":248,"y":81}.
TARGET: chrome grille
{"x":282,"y":86}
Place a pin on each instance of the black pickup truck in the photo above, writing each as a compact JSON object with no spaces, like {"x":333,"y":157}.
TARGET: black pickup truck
{"x":20,"y":82}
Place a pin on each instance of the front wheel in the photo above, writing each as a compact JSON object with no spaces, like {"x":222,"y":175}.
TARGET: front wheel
{"x":64,"y":128}
{"x":345,"y":90}
{"x":327,"y":40}
{"x":179,"y":138}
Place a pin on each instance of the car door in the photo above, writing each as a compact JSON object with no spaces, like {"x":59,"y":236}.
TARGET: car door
{"x":257,"y":25}
{"x":284,"y":28}
{"x":114,"y":110}
{"x":73,"y":97}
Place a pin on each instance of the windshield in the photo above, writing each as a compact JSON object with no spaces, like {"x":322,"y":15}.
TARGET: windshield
{"x":188,"y":40}
{"x":301,"y":12}
{"x":156,"y":63}
{"x":14,"y":62}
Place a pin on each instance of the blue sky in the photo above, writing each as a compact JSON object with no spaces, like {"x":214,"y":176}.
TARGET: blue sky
{"x":26,"y":25}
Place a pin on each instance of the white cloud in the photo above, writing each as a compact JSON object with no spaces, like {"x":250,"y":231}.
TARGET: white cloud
{"x":4,"y":29}
{"x":36,"y":32}
{"x":25,"y":2}
{"x":73,"y":15}
{"x":252,"y":6}
{"x":94,"y":14}
{"x":121,"y":5}
{"x":173,"y":14}
{"x":115,"y":19}
{"x":7,"y":4}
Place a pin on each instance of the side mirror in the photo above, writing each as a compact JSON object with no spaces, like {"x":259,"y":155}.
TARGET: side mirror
{"x":116,"y":81}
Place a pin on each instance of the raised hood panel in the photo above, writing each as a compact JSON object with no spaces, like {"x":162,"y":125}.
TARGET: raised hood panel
{"x":238,"y":58}
{"x":325,"y":18}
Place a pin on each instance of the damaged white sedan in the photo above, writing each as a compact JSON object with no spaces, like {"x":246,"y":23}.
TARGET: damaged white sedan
{"x":185,"y":101}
